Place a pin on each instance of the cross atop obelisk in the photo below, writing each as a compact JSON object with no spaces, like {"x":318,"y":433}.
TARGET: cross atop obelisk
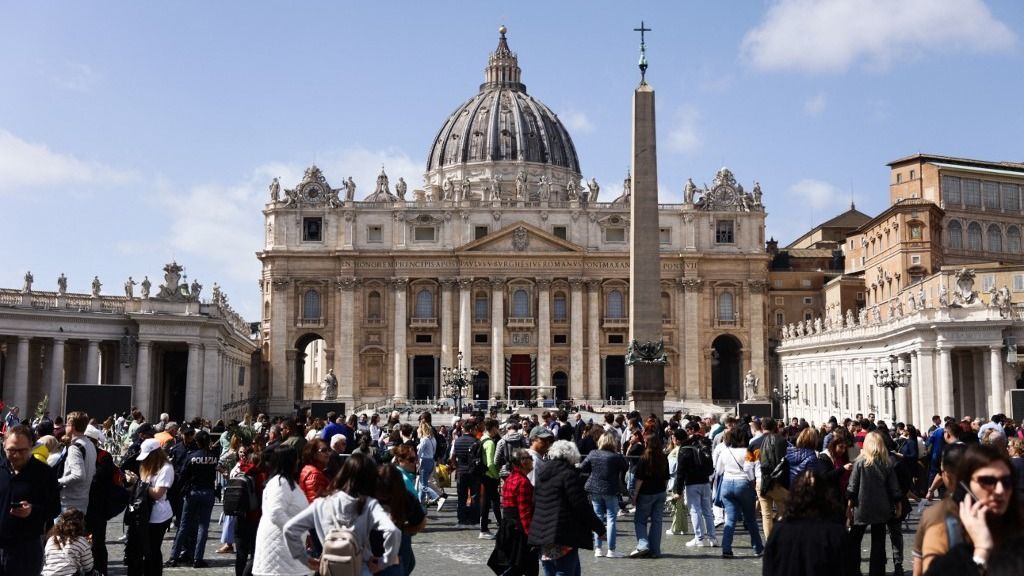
{"x":643,"y":51}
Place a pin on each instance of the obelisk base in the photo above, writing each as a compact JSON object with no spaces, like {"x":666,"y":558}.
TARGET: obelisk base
{"x":648,"y":394}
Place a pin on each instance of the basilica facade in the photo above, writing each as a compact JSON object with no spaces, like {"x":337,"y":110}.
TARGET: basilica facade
{"x":506,"y":256}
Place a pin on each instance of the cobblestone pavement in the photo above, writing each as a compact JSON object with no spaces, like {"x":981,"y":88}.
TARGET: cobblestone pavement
{"x":442,"y":551}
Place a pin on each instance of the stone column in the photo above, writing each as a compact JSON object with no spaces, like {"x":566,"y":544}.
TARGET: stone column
{"x":498,"y":337}
{"x":92,"y":358}
{"x":576,"y":383}
{"x":679,"y":319}
{"x":945,"y":382}
{"x":143,"y":381}
{"x":401,"y":369}
{"x":691,"y":342}
{"x":346,"y":343}
{"x":902,"y":395}
{"x":982,"y":376}
{"x":998,"y":400}
{"x":20,"y":397}
{"x":57,"y":377}
{"x":594,"y":341}
{"x":916,"y":415}
{"x":194,"y":382}
{"x":447,"y":285}
{"x":213,"y":399}
{"x":466,"y":320}
{"x":757,"y":347}
{"x":544,"y":335}
{"x":282,"y":376}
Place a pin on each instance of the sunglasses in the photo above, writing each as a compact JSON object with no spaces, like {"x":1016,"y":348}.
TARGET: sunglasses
{"x":989,"y":482}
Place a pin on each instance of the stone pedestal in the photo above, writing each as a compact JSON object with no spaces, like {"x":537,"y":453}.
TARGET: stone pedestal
{"x":761,"y":408}
{"x":648,"y":394}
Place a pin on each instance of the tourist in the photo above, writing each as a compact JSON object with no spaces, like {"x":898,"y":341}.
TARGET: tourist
{"x":568,"y":518}
{"x":249,"y":464}
{"x":282,"y":500}
{"x":945,"y":508}
{"x":649,"y":497}
{"x":198,"y":478}
{"x":467,"y":479}
{"x":30,"y":487}
{"x":146,"y":535}
{"x":490,"y":496}
{"x":312,"y":478}
{"x":350,"y":502}
{"x":605,"y":467}
{"x":512,"y":553}
{"x":292,"y":436}
{"x":737,"y":491}
{"x":397,"y":493}
{"x":426,"y":451}
{"x":803,"y":456}
{"x":680,"y":515}
{"x":771,"y":473}
{"x":512,"y":440}
{"x":68,"y":551}
{"x":873,"y":497}
{"x":227,"y":461}
{"x":1016,"y":452}
{"x":96,"y":516}
{"x":810,"y":539}
{"x":693,"y":478}
{"x":540,"y":441}
{"x":79,"y":464}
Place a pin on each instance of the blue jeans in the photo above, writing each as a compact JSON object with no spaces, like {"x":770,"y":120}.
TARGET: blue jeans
{"x":606,"y":506}
{"x":738,"y":496}
{"x":649,"y":508}
{"x":195,"y":520}
{"x":568,"y":565}
{"x":698,"y":496}
{"x":426,"y":471}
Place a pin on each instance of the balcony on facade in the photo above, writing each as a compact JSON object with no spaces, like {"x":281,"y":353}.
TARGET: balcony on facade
{"x":422,"y":323}
{"x":374,"y":321}
{"x":309,"y":323}
{"x":615,"y":323}
{"x":520,"y":322}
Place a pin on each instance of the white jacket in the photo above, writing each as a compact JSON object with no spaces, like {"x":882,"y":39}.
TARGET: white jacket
{"x":281,"y":502}
{"x":340,"y":509}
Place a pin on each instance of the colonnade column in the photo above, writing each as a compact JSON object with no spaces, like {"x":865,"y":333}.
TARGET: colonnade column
{"x":447,"y":284}
{"x":594,"y":341}
{"x":57,"y":377}
{"x":91,"y":362}
{"x":691,"y":343}
{"x":756,"y":289}
{"x":345,"y":343}
{"x":998,"y":399}
{"x":679,"y":321}
{"x":544,"y":336}
{"x":194,"y":382}
{"x":212,"y":385}
{"x":20,"y":397}
{"x":576,"y":388}
{"x":400,"y":362}
{"x":945,"y":407}
{"x":466,"y":320}
{"x":497,"y":337}
{"x":915,"y":392}
{"x":143,"y":381}
{"x":903,"y":396}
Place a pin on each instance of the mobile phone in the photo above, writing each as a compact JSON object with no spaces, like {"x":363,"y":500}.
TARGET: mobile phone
{"x":961,"y":492}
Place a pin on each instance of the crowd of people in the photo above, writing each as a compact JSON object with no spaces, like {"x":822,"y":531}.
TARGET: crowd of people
{"x":309,"y":495}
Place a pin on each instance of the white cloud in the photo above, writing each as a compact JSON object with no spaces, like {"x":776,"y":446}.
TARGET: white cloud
{"x":817,"y":194}
{"x":577,"y":121}
{"x":815,"y":105}
{"x":25,"y":164}
{"x":832,"y":35}
{"x":684,"y":136}
{"x":71,"y":76}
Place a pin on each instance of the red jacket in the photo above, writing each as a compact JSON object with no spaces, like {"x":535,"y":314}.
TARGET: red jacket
{"x":313,"y":482}
{"x":517,"y":492}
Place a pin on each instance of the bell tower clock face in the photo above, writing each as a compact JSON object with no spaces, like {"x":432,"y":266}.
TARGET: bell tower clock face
{"x":312,"y":193}
{"x":726,"y":196}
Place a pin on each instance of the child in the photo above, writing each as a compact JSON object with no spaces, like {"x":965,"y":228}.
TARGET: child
{"x":68,"y":551}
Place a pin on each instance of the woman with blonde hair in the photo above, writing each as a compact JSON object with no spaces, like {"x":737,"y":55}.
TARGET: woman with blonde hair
{"x":426,"y":451}
{"x":874,"y":497}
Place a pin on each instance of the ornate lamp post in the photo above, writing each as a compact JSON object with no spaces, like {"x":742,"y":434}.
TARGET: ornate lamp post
{"x":456,"y":382}
{"x":786,"y":395}
{"x":892,"y":378}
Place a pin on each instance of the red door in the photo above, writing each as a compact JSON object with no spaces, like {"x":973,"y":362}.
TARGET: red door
{"x":520,"y":376}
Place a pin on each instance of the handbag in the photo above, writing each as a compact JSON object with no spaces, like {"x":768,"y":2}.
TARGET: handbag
{"x":716,"y":497}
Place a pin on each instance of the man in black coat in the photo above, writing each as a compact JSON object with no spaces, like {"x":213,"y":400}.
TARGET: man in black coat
{"x":30,"y":498}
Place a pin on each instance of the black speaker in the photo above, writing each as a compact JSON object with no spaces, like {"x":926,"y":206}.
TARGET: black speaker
{"x":320,"y":408}
{"x":1017,"y":405}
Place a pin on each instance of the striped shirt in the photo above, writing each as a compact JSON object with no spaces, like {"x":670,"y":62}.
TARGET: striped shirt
{"x":67,"y":560}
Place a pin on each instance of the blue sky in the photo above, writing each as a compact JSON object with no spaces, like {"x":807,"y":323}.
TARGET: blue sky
{"x":136,"y":132}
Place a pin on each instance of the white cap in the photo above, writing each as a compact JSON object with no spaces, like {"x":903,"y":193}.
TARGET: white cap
{"x":95,"y":433}
{"x":148,"y":447}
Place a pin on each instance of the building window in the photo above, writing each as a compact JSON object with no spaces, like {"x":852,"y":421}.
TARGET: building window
{"x":916,"y":232}
{"x":424,"y":338}
{"x":990,"y":193}
{"x":520,"y":338}
{"x":424,"y":304}
{"x":972,"y":193}
{"x":424,"y":234}
{"x":373,"y":308}
{"x":804,"y":283}
{"x":780,"y":318}
{"x":808,"y":300}
{"x":915,"y":278}
{"x":312,"y":229}
{"x":1013,"y":240}
{"x":614,"y":307}
{"x":560,"y":232}
{"x":951,"y":190}
{"x":899,"y":177}
{"x":374,"y":234}
{"x":666,"y":307}
{"x":1018,"y":282}
{"x":311,"y":305}
{"x":616,"y":339}
{"x":915,"y":260}
{"x":808,"y":315}
{"x":860,"y":296}
{"x":266,"y":309}
{"x":480,"y":307}
{"x":520,"y":304}
{"x":560,"y":339}
{"x":726,"y":310}
{"x":995,"y":238}
{"x":988,"y":282}
{"x":912,"y":174}
{"x":614,"y":234}
{"x":1011,"y":197}
{"x":665,"y":235}
{"x":560,"y":313}
{"x":724,"y":232}
{"x":479,"y":232}
{"x":974,"y":236}
{"x":480,"y":338}
{"x":780,"y":300}
{"x":779,"y":283}
{"x":955,"y":235}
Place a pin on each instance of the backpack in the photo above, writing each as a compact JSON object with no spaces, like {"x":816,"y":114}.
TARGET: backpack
{"x":477,"y":461}
{"x":342,"y":555}
{"x":774,"y":467}
{"x":240,"y":496}
{"x":704,"y":464}
{"x":58,"y":466}
{"x":109,"y":494}
{"x":139,"y":507}
{"x":503,"y":458}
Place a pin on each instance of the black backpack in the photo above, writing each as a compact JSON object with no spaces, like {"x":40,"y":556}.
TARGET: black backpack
{"x":477,"y":462}
{"x":58,"y":466}
{"x":704,"y":464}
{"x":774,"y":467}
{"x":139,"y":507}
{"x":109,"y":493}
{"x":503,"y":459}
{"x":240,"y":496}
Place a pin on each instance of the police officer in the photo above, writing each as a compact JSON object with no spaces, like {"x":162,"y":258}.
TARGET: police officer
{"x":198,"y":478}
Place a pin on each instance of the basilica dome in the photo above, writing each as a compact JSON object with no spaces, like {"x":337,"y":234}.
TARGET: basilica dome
{"x":503,"y":124}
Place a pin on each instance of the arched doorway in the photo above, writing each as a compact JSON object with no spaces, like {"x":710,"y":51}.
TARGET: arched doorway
{"x":561,"y":383}
{"x":310,"y":366}
{"x":726,"y":362}
{"x":615,"y":377}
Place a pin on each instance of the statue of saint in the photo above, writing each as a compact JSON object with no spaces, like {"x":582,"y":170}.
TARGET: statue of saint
{"x":350,"y":189}
{"x":329,"y":386}
{"x":943,"y":296}
{"x":146,"y":284}
{"x":275,"y":190}
{"x":757,"y":194}
{"x":96,"y":286}
{"x":446,"y":189}
{"x":465,"y":192}
{"x":594,"y":189}
{"x":129,"y":288}
{"x":62,"y":284}
{"x":195,"y":289}
{"x":401,"y":188}
{"x":521,"y":185}
{"x":689,"y":191}
{"x":572,"y":190}
{"x":545,"y":188}
{"x":750,"y":385}
{"x":921,"y":302}
{"x":27,"y":287}
{"x":627,"y":186}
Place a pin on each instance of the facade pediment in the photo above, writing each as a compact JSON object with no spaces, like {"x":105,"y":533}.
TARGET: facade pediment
{"x":521,"y":237}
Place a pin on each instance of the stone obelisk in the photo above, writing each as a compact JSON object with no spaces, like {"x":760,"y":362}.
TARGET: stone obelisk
{"x":645,"y":358}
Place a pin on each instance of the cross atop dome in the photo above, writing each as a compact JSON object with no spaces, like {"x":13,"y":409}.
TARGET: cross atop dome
{"x":503,"y":67}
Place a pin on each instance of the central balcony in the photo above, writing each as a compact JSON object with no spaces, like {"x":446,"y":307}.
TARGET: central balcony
{"x":520,"y":322}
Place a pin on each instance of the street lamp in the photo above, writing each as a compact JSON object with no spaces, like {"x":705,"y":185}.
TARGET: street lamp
{"x":892,"y":378}
{"x":786,"y":395}
{"x":456,"y":381}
